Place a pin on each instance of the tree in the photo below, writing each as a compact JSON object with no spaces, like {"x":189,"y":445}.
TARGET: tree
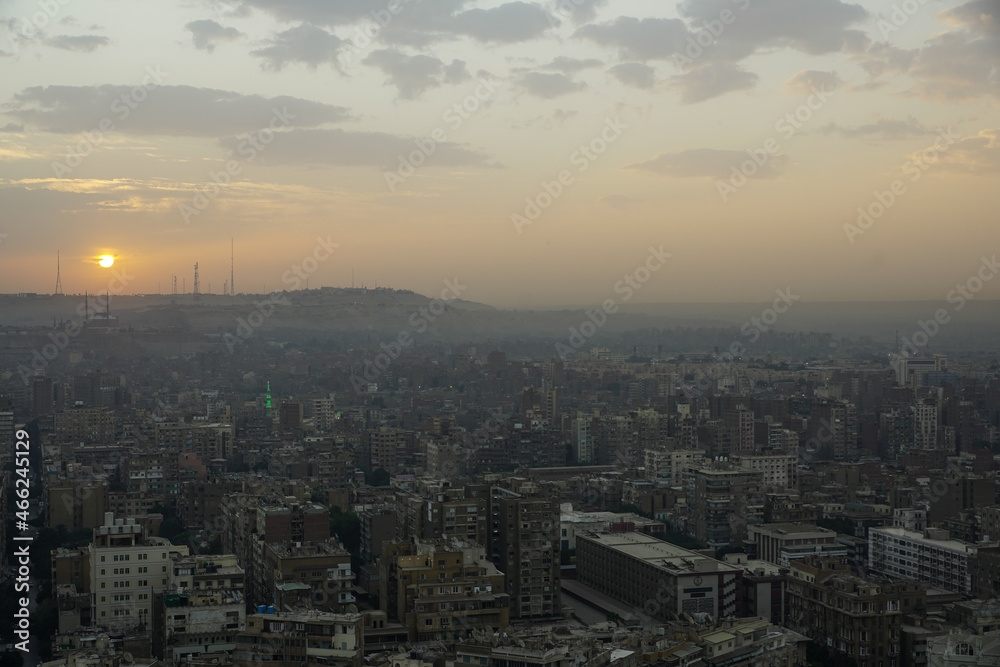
{"x":346,"y":527}
{"x":377,"y":477}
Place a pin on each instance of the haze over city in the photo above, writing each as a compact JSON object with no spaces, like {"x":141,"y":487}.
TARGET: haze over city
{"x":534,"y":150}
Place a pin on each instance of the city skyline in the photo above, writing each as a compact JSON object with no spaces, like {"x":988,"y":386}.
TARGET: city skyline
{"x":535,"y":151}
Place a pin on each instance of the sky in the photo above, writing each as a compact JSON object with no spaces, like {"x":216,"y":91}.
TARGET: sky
{"x":536,"y":152}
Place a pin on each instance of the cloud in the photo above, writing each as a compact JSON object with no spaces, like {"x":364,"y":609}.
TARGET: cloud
{"x":343,"y":148}
{"x":508,"y":23}
{"x":206,"y":33}
{"x":811,"y":26}
{"x":80,"y":43}
{"x":645,"y":39}
{"x":549,"y":85}
{"x":165,"y":110}
{"x":571,"y":65}
{"x":637,"y":75}
{"x":978,"y":154}
{"x":305,"y":44}
{"x":12,"y":127}
{"x":808,"y":81}
{"x":418,"y":23}
{"x":708,"y":163}
{"x":580,"y":11}
{"x":889,"y":129}
{"x":711,"y":80}
{"x":951,"y":66}
{"x":414,"y":75}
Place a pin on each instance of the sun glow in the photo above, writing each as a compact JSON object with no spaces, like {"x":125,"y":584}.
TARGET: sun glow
{"x":106,"y":260}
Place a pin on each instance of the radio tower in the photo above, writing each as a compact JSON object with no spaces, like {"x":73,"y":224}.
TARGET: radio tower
{"x":232,"y":267}
{"x":196,"y":278}
{"x":58,"y":277}
{"x":175,"y":285}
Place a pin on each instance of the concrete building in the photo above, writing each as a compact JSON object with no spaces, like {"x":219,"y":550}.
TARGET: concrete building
{"x":85,"y":424}
{"x":294,"y":639}
{"x":441,"y":589}
{"x":722,"y":503}
{"x":860,"y":618}
{"x":527,"y":544}
{"x":670,"y":468}
{"x":128,"y":570}
{"x":779,"y":470}
{"x":781,"y":543}
{"x":928,"y":556}
{"x":203,"y":610}
{"x":661,"y":579}
{"x":323,"y":567}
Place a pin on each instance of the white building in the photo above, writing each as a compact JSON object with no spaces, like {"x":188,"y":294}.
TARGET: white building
{"x":127,"y":571}
{"x":928,"y":556}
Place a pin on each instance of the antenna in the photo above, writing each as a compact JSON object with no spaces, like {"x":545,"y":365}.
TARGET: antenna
{"x":58,"y":277}
{"x":232,"y":266}
{"x":175,"y":285}
{"x":196,"y":288}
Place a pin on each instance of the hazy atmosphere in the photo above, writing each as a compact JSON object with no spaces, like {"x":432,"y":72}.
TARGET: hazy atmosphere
{"x":537,"y":152}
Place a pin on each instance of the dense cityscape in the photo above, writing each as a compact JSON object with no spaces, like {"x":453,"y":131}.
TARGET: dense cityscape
{"x":824,"y":502}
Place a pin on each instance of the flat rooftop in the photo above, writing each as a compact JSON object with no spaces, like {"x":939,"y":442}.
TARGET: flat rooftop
{"x":668,"y":557}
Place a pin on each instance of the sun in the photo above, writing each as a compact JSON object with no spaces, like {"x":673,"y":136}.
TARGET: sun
{"x":106,"y":260}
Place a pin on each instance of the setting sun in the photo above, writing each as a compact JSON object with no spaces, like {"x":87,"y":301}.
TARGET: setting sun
{"x":106,"y":260}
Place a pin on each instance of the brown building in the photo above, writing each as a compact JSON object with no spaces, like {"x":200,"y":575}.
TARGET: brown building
{"x":527,"y":548}
{"x":860,"y":618}
{"x":324,"y":567}
{"x":441,"y":589}
{"x":77,"y":503}
{"x":294,"y":639}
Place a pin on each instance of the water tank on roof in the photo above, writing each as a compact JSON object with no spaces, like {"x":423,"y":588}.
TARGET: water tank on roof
{"x":261,"y":609}
{"x":270,"y":609}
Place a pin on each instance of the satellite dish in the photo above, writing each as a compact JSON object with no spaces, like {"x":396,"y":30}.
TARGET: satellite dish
{"x":126,"y":657}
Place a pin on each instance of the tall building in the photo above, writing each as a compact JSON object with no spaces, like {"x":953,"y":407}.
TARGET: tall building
{"x":860,"y":618}
{"x":128,"y":570}
{"x":527,"y":546}
{"x":85,"y":424}
{"x":721,"y":503}
{"x":781,"y":543}
{"x":441,"y":589}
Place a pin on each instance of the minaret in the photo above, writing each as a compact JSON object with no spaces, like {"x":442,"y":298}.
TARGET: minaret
{"x":58,"y":277}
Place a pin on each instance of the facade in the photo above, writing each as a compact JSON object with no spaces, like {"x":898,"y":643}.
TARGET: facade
{"x":295,"y":639}
{"x":204,"y":610}
{"x":527,"y":544}
{"x":127,"y":573}
{"x":722,"y":503}
{"x":928,"y":556}
{"x":663,"y":580}
{"x":442,"y":589}
{"x":860,"y":618}
{"x":324,"y":567}
{"x":669,"y":468}
{"x":780,"y":543}
{"x":779,"y":471}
